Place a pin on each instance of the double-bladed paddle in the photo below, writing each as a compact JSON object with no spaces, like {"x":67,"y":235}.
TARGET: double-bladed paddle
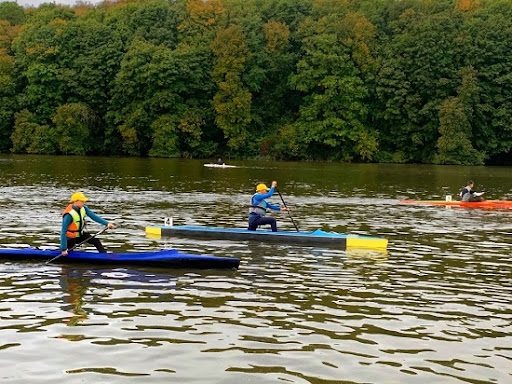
{"x":281,"y":196}
{"x":79,"y":244}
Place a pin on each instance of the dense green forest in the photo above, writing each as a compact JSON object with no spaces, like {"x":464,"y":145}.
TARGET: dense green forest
{"x":402,"y":81}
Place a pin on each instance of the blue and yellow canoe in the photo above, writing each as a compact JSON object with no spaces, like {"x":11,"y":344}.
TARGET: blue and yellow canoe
{"x":318,"y":237}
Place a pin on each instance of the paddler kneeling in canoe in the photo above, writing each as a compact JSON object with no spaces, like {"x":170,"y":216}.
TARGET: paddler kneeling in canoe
{"x":73,"y":225}
{"x":258,"y":208}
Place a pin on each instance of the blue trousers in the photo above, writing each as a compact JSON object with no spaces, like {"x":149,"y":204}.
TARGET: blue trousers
{"x":257,"y":220}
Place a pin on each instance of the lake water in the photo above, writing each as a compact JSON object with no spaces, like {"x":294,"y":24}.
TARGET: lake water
{"x":436,"y":308}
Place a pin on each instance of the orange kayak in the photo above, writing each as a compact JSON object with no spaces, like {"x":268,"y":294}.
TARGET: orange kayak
{"x":486,"y":204}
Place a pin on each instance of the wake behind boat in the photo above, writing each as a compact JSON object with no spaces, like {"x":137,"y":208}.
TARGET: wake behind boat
{"x":485,"y":204}
{"x":214,"y":165}
{"x":317,"y":237}
{"x":167,"y":258}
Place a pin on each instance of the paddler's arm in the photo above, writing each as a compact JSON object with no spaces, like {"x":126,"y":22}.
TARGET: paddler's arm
{"x":66,"y":221}
{"x":276,"y":207}
{"x":98,"y":219}
{"x":261,"y":196}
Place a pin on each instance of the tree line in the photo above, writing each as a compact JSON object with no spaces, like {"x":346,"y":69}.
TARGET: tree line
{"x":410,"y":81}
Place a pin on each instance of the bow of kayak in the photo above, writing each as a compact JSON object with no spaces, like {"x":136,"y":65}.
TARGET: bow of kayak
{"x":486,"y":204}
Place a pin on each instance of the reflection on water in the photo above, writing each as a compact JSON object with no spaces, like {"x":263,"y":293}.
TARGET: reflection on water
{"x":76,"y":282}
{"x":435,"y":308}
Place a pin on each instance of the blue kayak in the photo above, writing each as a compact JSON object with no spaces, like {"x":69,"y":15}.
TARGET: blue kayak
{"x":317,"y":237}
{"x":166,"y":258}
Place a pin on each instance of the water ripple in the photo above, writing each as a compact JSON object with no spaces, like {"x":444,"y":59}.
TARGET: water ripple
{"x":434,"y":308}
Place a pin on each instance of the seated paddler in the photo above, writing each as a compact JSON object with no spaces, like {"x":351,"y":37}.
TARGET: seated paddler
{"x":469,"y":194}
{"x":259,"y":206}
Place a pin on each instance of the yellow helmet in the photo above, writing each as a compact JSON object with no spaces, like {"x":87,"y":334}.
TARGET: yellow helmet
{"x":78,"y":196}
{"x":262,"y":187}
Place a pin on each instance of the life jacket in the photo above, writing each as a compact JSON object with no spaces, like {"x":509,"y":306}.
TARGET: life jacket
{"x":77,"y":225}
{"x":258,"y":209}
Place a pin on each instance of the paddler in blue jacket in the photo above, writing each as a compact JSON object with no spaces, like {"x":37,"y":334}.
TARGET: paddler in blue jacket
{"x":258,"y":208}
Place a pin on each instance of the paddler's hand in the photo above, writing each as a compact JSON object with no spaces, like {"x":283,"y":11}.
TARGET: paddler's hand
{"x":111,"y":225}
{"x":64,"y":252}
{"x":284,"y":209}
{"x":274,"y":184}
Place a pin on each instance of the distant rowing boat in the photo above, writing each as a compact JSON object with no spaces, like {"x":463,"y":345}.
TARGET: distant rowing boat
{"x":167,"y":258}
{"x":318,"y":237}
{"x":211,"y":165}
{"x":486,"y":204}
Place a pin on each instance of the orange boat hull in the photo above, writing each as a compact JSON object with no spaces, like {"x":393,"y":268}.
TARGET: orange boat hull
{"x":486,"y":204}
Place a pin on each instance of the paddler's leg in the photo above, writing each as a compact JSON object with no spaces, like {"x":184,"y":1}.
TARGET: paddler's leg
{"x":94,"y":241}
{"x":253,"y":222}
{"x":268,"y":220}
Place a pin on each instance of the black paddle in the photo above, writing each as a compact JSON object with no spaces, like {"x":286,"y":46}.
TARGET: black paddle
{"x":79,"y":244}
{"x":281,"y":196}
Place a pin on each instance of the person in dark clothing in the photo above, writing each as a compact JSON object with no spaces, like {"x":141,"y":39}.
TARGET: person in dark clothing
{"x":468,"y":194}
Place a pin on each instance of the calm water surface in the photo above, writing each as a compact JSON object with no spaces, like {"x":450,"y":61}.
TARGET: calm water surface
{"x":435,"y":309}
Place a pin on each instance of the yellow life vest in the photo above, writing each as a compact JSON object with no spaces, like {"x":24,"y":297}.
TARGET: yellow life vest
{"x":77,"y":225}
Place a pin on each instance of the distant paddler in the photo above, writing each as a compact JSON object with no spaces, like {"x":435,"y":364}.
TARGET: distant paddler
{"x":468,"y":194}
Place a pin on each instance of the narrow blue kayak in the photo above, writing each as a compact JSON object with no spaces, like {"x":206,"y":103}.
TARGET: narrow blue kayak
{"x":166,"y":258}
{"x":318,"y":237}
